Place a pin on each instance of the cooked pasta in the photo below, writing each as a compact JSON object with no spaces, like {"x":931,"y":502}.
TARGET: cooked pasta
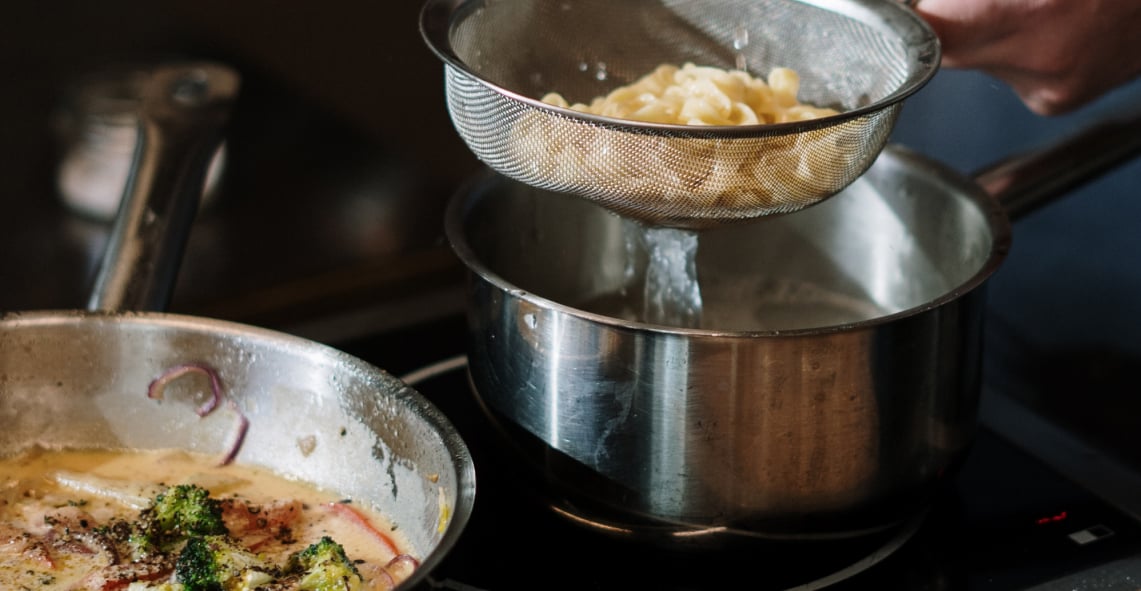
{"x":661,"y":171}
{"x":703,"y":95}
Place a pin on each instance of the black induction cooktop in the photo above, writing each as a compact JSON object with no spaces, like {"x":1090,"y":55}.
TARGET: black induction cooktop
{"x":1007,"y":521}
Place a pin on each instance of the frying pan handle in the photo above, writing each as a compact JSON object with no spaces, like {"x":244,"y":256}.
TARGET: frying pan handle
{"x":1025,"y":182}
{"x":183,"y":112}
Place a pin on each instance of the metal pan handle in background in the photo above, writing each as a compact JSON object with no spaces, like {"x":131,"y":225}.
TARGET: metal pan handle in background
{"x":1025,"y":182}
{"x":184,"y":110}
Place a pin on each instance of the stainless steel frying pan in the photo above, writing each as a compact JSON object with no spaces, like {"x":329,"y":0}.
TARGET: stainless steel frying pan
{"x":79,"y":378}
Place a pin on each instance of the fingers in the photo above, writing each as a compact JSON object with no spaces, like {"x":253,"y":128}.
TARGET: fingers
{"x":1041,"y":94}
{"x":1056,"y":54}
{"x":968,"y":29}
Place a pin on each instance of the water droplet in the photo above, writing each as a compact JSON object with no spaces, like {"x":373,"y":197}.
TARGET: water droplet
{"x":600,"y":71}
{"x":740,"y":38}
{"x":740,"y":42}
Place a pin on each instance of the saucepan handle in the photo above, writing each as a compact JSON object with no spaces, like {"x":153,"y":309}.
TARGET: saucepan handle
{"x":1025,"y":182}
{"x":184,"y":110}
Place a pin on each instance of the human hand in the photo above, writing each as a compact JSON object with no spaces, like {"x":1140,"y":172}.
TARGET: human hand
{"x":1057,"y":55}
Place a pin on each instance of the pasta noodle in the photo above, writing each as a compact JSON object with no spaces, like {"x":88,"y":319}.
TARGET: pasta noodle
{"x":703,"y":95}
{"x":699,"y":174}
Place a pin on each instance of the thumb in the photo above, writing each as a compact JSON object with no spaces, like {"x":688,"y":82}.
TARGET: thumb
{"x":964,"y":27}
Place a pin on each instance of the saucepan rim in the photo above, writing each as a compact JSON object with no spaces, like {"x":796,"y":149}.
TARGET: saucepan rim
{"x":991,"y":211}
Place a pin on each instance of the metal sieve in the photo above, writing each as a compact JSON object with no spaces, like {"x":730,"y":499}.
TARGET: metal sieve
{"x":861,"y":57}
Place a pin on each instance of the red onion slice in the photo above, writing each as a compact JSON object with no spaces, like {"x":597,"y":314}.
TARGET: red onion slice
{"x":239,"y":436}
{"x":158,"y":386}
{"x":352,"y":515}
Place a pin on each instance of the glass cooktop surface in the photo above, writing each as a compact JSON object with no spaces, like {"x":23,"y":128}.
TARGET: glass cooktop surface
{"x":1006,"y":521}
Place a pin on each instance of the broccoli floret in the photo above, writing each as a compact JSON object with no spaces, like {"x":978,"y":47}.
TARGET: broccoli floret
{"x":323,"y":566}
{"x":217,"y":563}
{"x":177,"y":513}
{"x":188,"y":510}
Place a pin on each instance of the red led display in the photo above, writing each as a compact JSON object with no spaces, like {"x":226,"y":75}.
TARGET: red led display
{"x":1052,"y":518}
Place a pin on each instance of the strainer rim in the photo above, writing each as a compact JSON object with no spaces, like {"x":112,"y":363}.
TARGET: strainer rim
{"x":438,"y":16}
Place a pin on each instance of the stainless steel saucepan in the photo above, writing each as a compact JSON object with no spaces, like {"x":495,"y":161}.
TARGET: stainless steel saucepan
{"x":830,"y":387}
{"x":79,"y":378}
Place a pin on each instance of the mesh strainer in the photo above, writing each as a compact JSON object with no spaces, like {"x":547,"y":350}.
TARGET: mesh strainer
{"x":862,"y":57}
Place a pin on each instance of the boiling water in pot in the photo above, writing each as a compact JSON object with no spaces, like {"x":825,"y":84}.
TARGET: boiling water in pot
{"x":766,"y":305}
{"x":875,"y":251}
{"x":671,"y":295}
{"x":665,"y":286}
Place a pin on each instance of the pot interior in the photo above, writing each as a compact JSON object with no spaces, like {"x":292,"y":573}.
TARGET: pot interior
{"x":906,"y":235}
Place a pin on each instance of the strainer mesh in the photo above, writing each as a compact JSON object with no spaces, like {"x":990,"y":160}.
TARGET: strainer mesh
{"x":858,"y":56}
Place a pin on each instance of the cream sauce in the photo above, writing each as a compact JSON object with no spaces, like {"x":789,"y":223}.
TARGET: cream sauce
{"x":101,"y":485}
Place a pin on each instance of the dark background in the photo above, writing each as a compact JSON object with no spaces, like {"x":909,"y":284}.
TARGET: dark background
{"x":328,"y":223}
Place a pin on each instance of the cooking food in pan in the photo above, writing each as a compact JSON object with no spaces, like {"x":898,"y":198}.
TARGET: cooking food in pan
{"x":174,"y":520}
{"x":77,"y":380}
{"x":177,"y":520}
